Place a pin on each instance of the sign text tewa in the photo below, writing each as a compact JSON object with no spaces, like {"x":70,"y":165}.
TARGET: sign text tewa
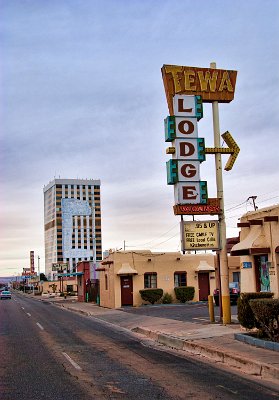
{"x":210,"y":84}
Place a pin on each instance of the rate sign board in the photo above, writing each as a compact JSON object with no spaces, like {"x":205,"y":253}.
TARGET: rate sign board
{"x":200,"y":235}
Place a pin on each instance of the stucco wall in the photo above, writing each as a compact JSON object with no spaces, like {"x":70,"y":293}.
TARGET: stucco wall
{"x":269,"y":237}
{"x":164,"y":264}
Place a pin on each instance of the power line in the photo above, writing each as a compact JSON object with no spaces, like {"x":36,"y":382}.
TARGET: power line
{"x":233,"y":208}
{"x":153,"y":240}
{"x":165,"y":240}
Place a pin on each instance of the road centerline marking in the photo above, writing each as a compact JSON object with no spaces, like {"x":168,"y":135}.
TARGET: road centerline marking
{"x":74,"y":364}
{"x":40,"y":326}
{"x":29,"y":315}
{"x":227,"y":389}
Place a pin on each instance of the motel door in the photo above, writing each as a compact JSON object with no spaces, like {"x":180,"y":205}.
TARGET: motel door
{"x":126,"y":290}
{"x":204,"y":289}
{"x":262,"y":274}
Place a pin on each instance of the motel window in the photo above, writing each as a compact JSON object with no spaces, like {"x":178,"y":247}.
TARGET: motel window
{"x":150,"y":280}
{"x":106,"y":282}
{"x":180,"y":278}
{"x":236,"y":276}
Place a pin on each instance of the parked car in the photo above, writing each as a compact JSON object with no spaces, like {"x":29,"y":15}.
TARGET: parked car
{"x":6,"y":294}
{"x":234,"y":293}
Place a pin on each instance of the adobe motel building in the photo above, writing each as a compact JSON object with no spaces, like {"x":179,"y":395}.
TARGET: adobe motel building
{"x":124,"y":274}
{"x":258,"y":250}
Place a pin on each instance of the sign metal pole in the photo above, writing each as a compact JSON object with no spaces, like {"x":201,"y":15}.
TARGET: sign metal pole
{"x":223,"y":257}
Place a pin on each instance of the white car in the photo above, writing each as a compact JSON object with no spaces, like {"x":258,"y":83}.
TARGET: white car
{"x":6,"y":294}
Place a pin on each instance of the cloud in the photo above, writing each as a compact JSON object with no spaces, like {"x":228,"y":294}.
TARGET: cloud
{"x":82,"y":96}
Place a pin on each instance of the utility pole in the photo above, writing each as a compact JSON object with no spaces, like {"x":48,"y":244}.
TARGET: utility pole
{"x":223,"y":257}
{"x":253,"y":198}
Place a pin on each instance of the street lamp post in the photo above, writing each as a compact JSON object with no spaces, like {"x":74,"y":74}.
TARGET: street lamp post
{"x":39,"y":266}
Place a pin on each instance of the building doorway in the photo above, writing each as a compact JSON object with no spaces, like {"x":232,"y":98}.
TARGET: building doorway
{"x":126,"y":283}
{"x":262,"y":273}
{"x":204,"y":288}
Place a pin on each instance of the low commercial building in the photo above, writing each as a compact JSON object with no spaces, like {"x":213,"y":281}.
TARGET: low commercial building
{"x":61,"y":285}
{"x":258,"y":249}
{"x":88,"y":282}
{"x":124,"y":274}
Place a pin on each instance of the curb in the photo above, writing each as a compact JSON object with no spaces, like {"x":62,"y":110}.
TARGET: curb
{"x":248,"y":366}
{"x":73,"y":309}
{"x":265,"y":344}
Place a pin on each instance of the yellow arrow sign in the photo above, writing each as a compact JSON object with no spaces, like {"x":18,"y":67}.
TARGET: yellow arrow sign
{"x":232,"y":149}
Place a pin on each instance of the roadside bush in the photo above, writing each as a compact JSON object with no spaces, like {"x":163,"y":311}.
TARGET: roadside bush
{"x":167,"y":298}
{"x":245,"y":314}
{"x":151,"y":295}
{"x":266,"y":312}
{"x":184,"y":293}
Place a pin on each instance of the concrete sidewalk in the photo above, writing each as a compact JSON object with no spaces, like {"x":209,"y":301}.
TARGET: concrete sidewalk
{"x":213,"y":341}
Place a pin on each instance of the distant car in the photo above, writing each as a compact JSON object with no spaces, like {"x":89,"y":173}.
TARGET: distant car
{"x":234,"y":293}
{"x":6,"y":294}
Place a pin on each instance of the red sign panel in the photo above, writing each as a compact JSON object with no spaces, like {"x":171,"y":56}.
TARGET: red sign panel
{"x":212,"y":207}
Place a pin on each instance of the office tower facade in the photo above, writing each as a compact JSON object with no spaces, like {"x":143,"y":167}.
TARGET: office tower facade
{"x":72,"y":223}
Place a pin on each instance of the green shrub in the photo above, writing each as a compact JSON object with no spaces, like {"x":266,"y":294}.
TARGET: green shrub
{"x":266,"y":312}
{"x":151,"y":295}
{"x":167,"y":298}
{"x":245,"y":314}
{"x":184,"y":293}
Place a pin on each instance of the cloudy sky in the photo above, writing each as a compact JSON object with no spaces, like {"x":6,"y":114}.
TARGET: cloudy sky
{"x":82,"y":97}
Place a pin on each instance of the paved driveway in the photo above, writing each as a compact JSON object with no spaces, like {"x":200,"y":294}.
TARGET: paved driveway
{"x":180,"y":312}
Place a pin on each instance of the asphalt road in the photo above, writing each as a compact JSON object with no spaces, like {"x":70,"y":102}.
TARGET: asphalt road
{"x":51,"y":353}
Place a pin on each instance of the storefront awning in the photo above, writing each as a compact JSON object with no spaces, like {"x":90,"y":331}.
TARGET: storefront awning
{"x":126,"y":269}
{"x":204,"y":267}
{"x":254,"y":243}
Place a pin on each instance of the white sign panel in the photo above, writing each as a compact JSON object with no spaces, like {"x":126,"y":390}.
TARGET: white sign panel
{"x":200,"y":235}
{"x":186,"y":149}
{"x":184,"y":105}
{"x":188,"y":171}
{"x":186,"y":127}
{"x":187,"y":193}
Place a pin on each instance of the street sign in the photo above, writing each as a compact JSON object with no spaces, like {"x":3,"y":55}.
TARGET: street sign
{"x":200,"y":235}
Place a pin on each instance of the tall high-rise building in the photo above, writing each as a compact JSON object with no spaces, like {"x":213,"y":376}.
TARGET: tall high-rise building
{"x":72,"y":222}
